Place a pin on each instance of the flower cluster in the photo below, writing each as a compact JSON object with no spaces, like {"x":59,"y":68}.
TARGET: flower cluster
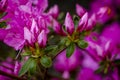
{"x":86,"y":43}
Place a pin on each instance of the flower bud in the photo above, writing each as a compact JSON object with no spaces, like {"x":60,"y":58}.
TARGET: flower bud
{"x":80,"y":10}
{"x":42,"y":38}
{"x":69,"y":23}
{"x":83,"y":22}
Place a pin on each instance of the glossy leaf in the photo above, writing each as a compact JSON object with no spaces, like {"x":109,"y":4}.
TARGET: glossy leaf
{"x":28,"y":64}
{"x":82,"y":44}
{"x":46,"y":61}
{"x":70,"y":50}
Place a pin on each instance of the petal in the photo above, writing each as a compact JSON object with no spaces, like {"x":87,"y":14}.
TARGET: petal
{"x":102,"y":11}
{"x":54,"y":11}
{"x":42,"y":5}
{"x":14,"y":40}
{"x":28,"y":36}
{"x":17,"y":67}
{"x":34,"y":27}
{"x":69,"y":23}
{"x":80,"y":10}
{"x":42,"y":23}
{"x":66,"y":75}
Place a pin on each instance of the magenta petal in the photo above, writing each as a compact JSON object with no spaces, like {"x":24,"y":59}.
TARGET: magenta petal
{"x":69,"y":23}
{"x":14,"y":40}
{"x":17,"y":67}
{"x":25,"y":8}
{"x":42,"y":23}
{"x":88,"y":74}
{"x":66,"y":75}
{"x":42,"y":5}
{"x":42,"y":38}
{"x":80,"y":10}
{"x":102,"y":11}
{"x":89,"y":62}
{"x":54,"y":11}
{"x":28,"y":36}
{"x":83,"y":22}
{"x":34,"y":27}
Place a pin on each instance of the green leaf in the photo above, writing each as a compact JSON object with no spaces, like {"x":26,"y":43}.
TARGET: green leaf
{"x":70,"y":50}
{"x":68,"y":42}
{"x":46,"y":61}
{"x":82,"y":44}
{"x":50,"y":48}
{"x":63,"y":41}
{"x":28,"y":64}
{"x":33,"y":67}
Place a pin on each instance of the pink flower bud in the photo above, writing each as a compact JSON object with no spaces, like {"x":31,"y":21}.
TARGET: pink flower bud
{"x":34,"y":27}
{"x":80,"y":10}
{"x":42,"y":38}
{"x":91,"y":22}
{"x":58,"y":28}
{"x":69,"y":23}
{"x":28,"y":36}
{"x":83,"y":22}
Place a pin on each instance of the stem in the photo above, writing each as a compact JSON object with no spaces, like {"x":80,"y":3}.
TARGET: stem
{"x":11,"y":76}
